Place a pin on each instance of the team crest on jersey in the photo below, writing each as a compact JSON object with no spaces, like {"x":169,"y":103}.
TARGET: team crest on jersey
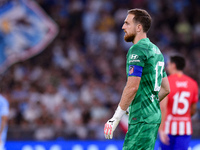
{"x":135,"y":70}
{"x":131,"y":70}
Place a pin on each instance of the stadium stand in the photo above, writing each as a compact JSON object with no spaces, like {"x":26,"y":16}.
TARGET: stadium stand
{"x":72,"y":88}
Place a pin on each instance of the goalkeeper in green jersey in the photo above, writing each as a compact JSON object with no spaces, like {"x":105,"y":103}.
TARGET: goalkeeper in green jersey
{"x":146,"y":86}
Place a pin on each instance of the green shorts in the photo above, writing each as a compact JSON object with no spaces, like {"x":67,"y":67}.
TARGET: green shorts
{"x":141,"y":136}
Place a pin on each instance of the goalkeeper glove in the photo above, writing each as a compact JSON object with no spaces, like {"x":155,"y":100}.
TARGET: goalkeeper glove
{"x":112,"y":123}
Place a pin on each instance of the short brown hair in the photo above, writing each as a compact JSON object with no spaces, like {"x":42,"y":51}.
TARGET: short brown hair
{"x":143,"y":17}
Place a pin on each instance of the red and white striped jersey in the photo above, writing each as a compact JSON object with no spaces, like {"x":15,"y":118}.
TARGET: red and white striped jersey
{"x":184,"y":92}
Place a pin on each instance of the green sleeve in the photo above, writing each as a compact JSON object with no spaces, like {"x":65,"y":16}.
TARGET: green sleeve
{"x":136,"y":56}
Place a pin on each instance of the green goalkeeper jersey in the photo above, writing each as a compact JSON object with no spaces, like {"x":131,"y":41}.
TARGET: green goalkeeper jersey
{"x":145,"y":60}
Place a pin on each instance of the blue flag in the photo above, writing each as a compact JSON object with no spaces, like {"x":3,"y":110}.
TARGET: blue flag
{"x":25,"y":30}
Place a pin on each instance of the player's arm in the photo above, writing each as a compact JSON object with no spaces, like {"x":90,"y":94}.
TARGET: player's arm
{"x":163,"y":106}
{"x":129,"y":92}
{"x":128,"y":95}
{"x":4,"y":120}
{"x":164,"y":90}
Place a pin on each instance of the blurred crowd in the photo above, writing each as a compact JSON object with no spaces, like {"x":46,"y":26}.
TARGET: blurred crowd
{"x":73,"y":87}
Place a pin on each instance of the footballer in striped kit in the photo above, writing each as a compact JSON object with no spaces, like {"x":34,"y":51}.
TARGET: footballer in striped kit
{"x":178,"y":107}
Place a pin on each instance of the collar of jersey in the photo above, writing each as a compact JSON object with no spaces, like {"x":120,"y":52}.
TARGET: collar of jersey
{"x":144,"y":39}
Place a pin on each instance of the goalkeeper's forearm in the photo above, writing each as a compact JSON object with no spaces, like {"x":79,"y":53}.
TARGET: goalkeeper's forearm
{"x":127,"y":97}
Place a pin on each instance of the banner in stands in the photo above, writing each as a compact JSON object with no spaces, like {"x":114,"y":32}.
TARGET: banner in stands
{"x":77,"y":145}
{"x":25,"y":30}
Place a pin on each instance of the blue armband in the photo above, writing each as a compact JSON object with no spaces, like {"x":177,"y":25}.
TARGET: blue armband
{"x":135,"y":70}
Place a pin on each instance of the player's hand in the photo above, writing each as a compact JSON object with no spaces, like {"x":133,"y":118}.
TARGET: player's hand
{"x":164,"y":137}
{"x":110,"y":127}
{"x":111,"y":124}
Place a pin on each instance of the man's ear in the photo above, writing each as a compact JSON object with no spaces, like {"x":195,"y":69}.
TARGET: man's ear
{"x":138,"y":28}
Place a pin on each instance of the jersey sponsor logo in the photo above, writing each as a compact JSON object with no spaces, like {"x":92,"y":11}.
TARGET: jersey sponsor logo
{"x":183,"y":84}
{"x":134,"y":56}
{"x":134,"y":61}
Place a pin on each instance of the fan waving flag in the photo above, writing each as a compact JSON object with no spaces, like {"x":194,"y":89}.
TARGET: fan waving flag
{"x":25,"y":30}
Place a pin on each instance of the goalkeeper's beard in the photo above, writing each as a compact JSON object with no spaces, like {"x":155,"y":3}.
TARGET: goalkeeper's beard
{"x":129,"y":37}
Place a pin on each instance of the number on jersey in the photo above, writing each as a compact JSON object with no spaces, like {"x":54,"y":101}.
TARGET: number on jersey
{"x":159,"y":68}
{"x":180,"y":98}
